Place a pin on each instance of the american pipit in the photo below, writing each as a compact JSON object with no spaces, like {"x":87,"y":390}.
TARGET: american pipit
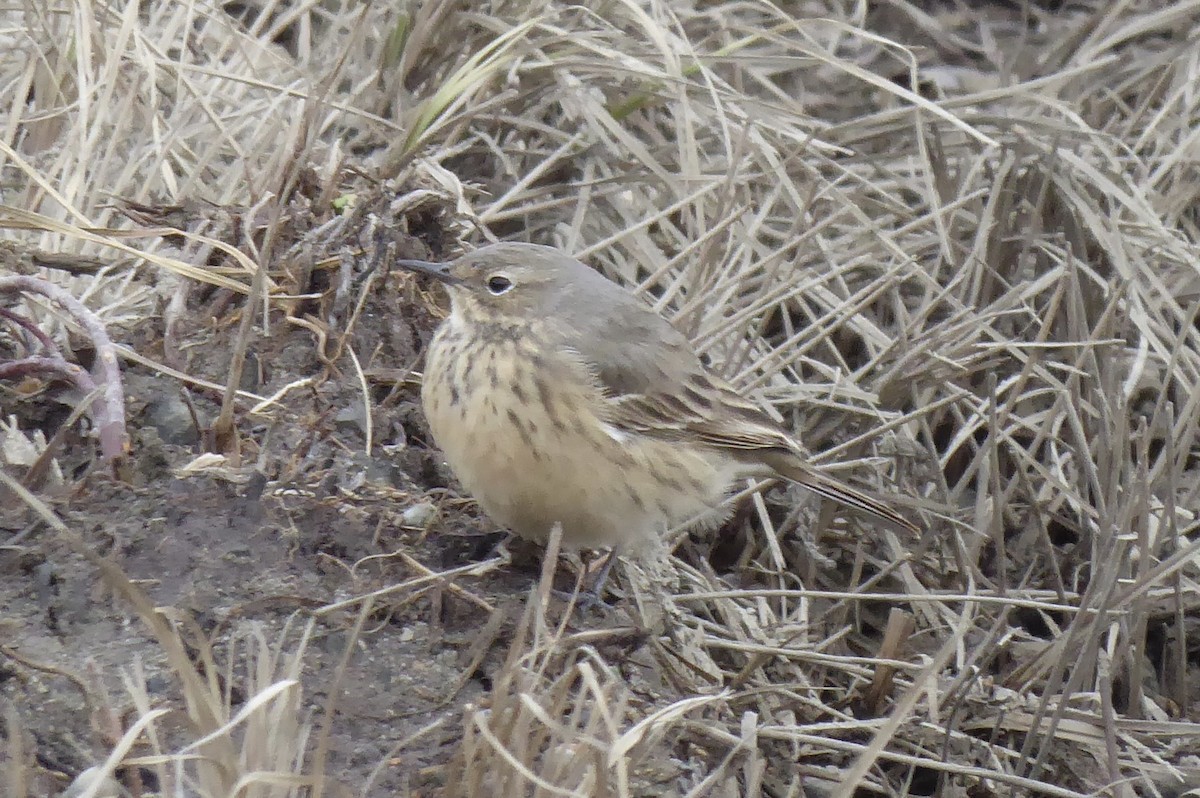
{"x":559,"y":397}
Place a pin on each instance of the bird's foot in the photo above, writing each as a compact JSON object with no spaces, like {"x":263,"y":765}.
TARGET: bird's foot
{"x":584,"y":600}
{"x":592,"y":597}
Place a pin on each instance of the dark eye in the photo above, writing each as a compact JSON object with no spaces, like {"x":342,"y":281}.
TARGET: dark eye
{"x":499,"y":284}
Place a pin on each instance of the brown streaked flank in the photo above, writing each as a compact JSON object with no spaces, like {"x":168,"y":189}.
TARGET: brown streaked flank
{"x":559,"y":397}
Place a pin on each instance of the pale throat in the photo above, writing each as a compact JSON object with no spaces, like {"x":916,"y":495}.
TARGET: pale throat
{"x":484,"y":324}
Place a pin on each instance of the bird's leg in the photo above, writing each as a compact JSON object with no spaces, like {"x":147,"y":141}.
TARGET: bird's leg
{"x":596,"y":589}
{"x":592,"y":596}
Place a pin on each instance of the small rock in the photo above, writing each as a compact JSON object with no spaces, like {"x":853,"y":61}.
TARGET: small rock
{"x":170,"y":416}
{"x":419,"y":515}
{"x":352,"y":418}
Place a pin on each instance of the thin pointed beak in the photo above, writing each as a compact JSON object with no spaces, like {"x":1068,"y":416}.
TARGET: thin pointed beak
{"x":438,"y":271}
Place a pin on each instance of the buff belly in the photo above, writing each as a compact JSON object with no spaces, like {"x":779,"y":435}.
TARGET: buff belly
{"x":522,"y":434}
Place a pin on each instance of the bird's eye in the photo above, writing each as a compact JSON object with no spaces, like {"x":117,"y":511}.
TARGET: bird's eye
{"x":499,"y":284}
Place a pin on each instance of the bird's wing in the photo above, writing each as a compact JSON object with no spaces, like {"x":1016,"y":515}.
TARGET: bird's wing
{"x":663,"y":391}
{"x":709,"y":412}
{"x":702,"y":409}
{"x":656,"y":386}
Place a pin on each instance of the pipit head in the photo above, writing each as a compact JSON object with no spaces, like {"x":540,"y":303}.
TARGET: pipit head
{"x":559,"y":397}
{"x":520,"y":285}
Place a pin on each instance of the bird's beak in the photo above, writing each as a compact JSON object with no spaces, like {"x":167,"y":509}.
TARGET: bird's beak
{"x":438,"y":271}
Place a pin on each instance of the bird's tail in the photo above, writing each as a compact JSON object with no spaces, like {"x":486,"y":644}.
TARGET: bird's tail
{"x":793,"y":469}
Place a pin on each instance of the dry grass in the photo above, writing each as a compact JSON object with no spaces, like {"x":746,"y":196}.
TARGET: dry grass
{"x":961,"y":259}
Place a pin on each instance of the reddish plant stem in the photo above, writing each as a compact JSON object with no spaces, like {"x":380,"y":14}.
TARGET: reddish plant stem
{"x":45,"y":340}
{"x":109,"y":410}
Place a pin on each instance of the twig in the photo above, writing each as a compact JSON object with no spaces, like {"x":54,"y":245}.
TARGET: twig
{"x":109,"y":412}
{"x":26,"y":324}
{"x":76,"y":374}
{"x":900,"y":627}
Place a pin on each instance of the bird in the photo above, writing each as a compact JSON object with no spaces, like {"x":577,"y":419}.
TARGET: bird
{"x":559,"y":397}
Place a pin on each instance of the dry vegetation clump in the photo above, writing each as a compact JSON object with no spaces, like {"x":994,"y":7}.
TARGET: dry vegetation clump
{"x":954,"y":245}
